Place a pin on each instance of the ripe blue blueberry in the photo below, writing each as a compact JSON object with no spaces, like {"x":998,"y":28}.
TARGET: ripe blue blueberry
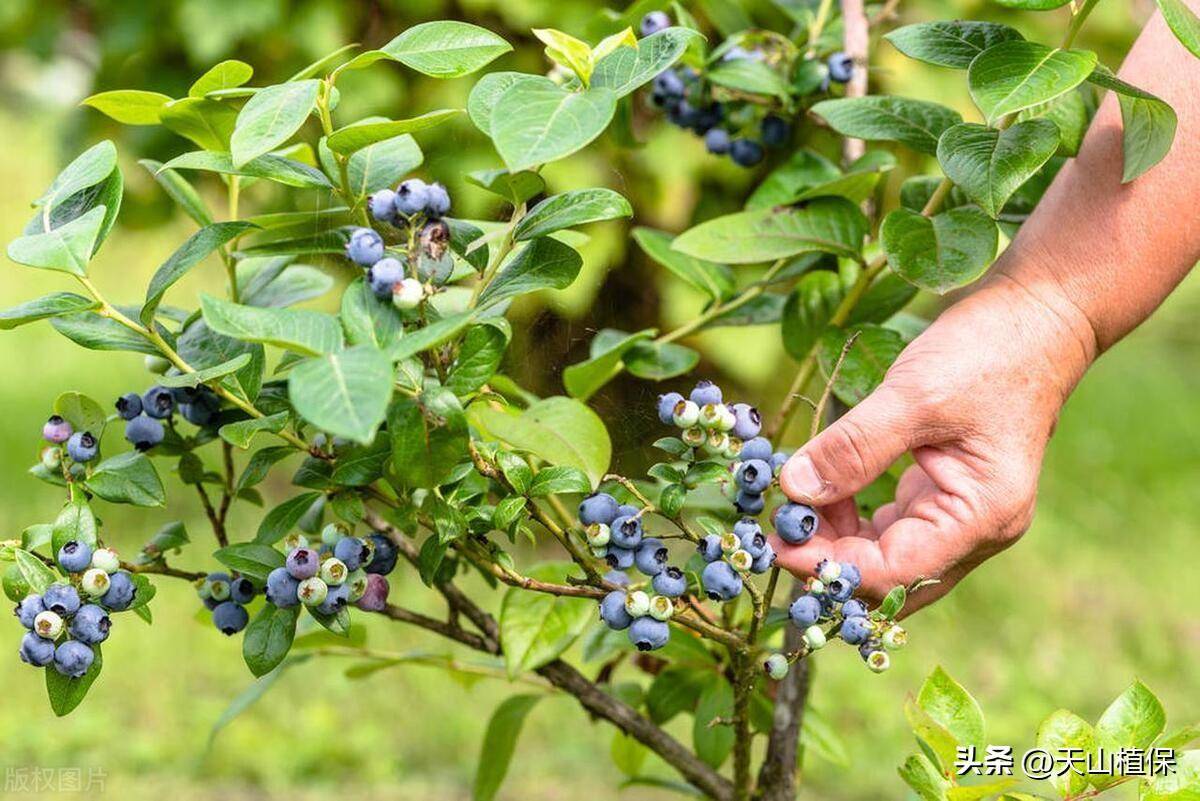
{"x":764,"y":561}
{"x":627,"y":510}
{"x":616,"y":578}
{"x":56,"y":430}
{"x":365,"y":247}
{"x":202,"y":409}
{"x":383,"y":276}
{"x":669,"y":84}
{"x":720,"y":581}
{"x":746,"y":152}
{"x":805,"y":611}
{"x":717,"y":141}
{"x":73,"y":658}
{"x":159,"y":402}
{"x":129,"y":406}
{"x":756,"y":448}
{"x":753,"y":542}
{"x":778,"y":460}
{"x":754,"y":475}
{"x":75,"y":556}
{"x":241,"y":590}
{"x":374,"y":599}
{"x":28,"y":609}
{"x":747,"y":421}
{"x":352,"y":551}
{"x":438,"y":203}
{"x":61,"y":599}
{"x":384,"y":559}
{"x":36,"y":651}
{"x":841,"y":67}
{"x":612,"y":611}
{"x":666,"y":407}
{"x":619,"y":558}
{"x":854,"y":608}
{"x":796,"y":523}
{"x":651,"y":556}
{"x":855,"y":630}
{"x":654,"y":22}
{"x":144,"y":432}
{"x":671,"y":582}
{"x":627,"y":531}
{"x":82,"y":446}
{"x":303,"y":563}
{"x":749,"y":503}
{"x":90,"y":625}
{"x":870,"y":646}
{"x":839,"y":590}
{"x":230,"y":618}
{"x":121,"y":591}
{"x":599,"y":507}
{"x":745,"y":526}
{"x":648,"y":634}
{"x":412,"y":196}
{"x":775,"y":131}
{"x":710,"y":548}
{"x":281,"y":588}
{"x":707,"y":119}
{"x":704,"y":393}
{"x":851,"y":574}
{"x":335,"y":600}
{"x":383,"y":205}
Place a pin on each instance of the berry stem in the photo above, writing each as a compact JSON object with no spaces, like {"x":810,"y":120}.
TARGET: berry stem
{"x":444,"y":662}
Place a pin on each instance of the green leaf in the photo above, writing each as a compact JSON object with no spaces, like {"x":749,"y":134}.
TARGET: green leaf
{"x":1149,"y":124}
{"x":346,"y":393}
{"x":206,"y":122}
{"x":368,"y":320}
{"x":809,"y":308}
{"x":1033,"y":5}
{"x":560,"y":431}
{"x":559,"y":480}
{"x":947,"y":251}
{"x":1181,"y":785}
{"x":304,"y":331}
{"x":179,"y":190}
{"x":446,"y":49}
{"x":989,"y":164}
{"x":283,"y":518}
{"x":1069,"y":113}
{"x":226,"y":75}
{"x":886,"y":296}
{"x":865,"y":365}
{"x":481,"y":103}
{"x":205,"y":349}
{"x":568,"y":52}
{"x":52,"y":305}
{"x":128,"y":478}
{"x":190,"y":253}
{"x":915,"y":123}
{"x":515,"y":187}
{"x":536,"y":628}
{"x":571,"y":209}
{"x":274,"y":168}
{"x":1014,"y":75}
{"x":90,"y":330}
{"x":750,"y":76}
{"x":356,"y":136}
{"x":207,"y":374}
{"x":925,"y":780}
{"x":950,"y":43}
{"x":67,"y":248}
{"x":1183,"y":22}
{"x":240,"y":434}
{"x":90,"y":168}
{"x":269,"y":637}
{"x":948,"y":703}
{"x":828,"y":225}
{"x":270,"y":118}
{"x":932,"y":735}
{"x":66,"y":693}
{"x":1133,"y":720}
{"x":34,"y":570}
{"x":710,"y":277}
{"x":626,"y":68}
{"x":252,"y":559}
{"x":582,"y":380}
{"x":478,"y":359}
{"x":429,"y":436}
{"x":1061,"y":731}
{"x":76,"y":522}
{"x":894,"y":602}
{"x":324,"y":63}
{"x":379,"y":165}
{"x":545,"y":263}
{"x":431,"y":335}
{"x":537,"y":122}
{"x":129,"y":106}
{"x":714,"y":740}
{"x":658,"y":361}
{"x":804,"y":169}
{"x":499,"y":743}
{"x":260,"y":464}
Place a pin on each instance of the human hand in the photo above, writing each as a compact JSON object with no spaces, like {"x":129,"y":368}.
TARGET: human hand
{"x":974,"y":399}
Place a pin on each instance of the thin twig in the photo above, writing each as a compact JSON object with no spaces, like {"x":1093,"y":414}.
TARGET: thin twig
{"x":819,"y":411}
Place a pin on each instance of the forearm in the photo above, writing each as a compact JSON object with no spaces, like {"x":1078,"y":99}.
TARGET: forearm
{"x":1107,"y":253}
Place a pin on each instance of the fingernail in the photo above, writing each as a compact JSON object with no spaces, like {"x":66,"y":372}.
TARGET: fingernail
{"x":803,"y":480}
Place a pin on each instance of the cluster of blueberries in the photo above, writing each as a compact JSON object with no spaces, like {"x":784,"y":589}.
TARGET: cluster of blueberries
{"x":226,"y":597}
{"x":688,"y":103}
{"x":413,"y":205}
{"x":144,"y":414}
{"x":342,"y":570}
{"x":81,"y":446}
{"x":70,"y":618}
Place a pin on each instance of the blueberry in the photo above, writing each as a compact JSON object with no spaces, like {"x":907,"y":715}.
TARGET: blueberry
{"x":241,"y":590}
{"x":73,"y":659}
{"x":383,"y":276}
{"x":627,"y":510}
{"x":365,"y":247}
{"x":144,"y":432}
{"x":336,"y":599}
{"x":704,"y":393}
{"x":683,"y":114}
{"x":776,"y":666}
{"x":408,"y":294}
{"x":61,"y":599}
{"x":805,"y":611}
{"x":796,"y":523}
{"x":202,"y":410}
{"x":599,"y":507}
{"x":651,"y":556}
{"x":82,"y":446}
{"x":619,"y":558}
{"x":778,"y":460}
{"x":669,"y":84}
{"x":28,"y":609}
{"x":230,"y":618}
{"x":281,"y":588}
{"x":121,"y":592}
{"x":56,"y":430}
{"x":851,"y":574}
{"x":106,"y":559}
{"x":357,"y":583}
{"x":841,"y":67}
{"x":156,"y":364}
{"x":654,"y":22}
{"x":75,"y":556}
{"x":895,"y":638}
{"x":747,"y":421}
{"x":661,"y":608}
{"x":717,"y":141}
{"x":384,"y":559}
{"x":828,"y":570}
{"x":707,"y":119}
{"x":303,"y":563}
{"x":627,"y":531}
{"x":51,"y":458}
{"x":352,"y":551}
{"x":854,"y":608}
{"x":670,"y":582}
{"x":855,"y":630}
{"x":36,"y":651}
{"x":839,"y":590}
{"x":617,"y":578}
{"x":438,"y":202}
{"x":814,"y":638}
{"x":776,"y":131}
{"x":612,"y":611}
{"x":756,"y":448}
{"x":878,"y":661}
{"x":721,"y":582}
{"x":686,"y":415}
{"x":666,"y":407}
{"x":312,"y":591}
{"x":90,"y":625}
{"x":333,"y":572}
{"x":376,"y":595}
{"x":159,"y":402}
{"x":129,"y":406}
{"x":754,"y":476}
{"x":48,"y":625}
{"x":412,"y":197}
{"x":95,"y":582}
{"x":598,"y":535}
{"x":710,"y":548}
{"x":753,"y":540}
{"x":869,"y":647}
{"x":218,"y":586}
{"x":764,"y":561}
{"x":648,"y":634}
{"x":383,"y":205}
{"x":749,"y":503}
{"x":746,"y":152}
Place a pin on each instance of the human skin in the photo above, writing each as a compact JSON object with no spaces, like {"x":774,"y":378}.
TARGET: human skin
{"x":976,"y":397}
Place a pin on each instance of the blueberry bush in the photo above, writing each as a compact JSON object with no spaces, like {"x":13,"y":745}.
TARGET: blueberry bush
{"x":419,"y":452}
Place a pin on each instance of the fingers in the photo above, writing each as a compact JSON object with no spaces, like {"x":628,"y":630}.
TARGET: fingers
{"x":851,"y":453}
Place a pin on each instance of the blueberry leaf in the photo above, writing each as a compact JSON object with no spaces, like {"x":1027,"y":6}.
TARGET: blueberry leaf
{"x":284,"y":517}
{"x":915,"y":123}
{"x":129,"y":106}
{"x":583,"y":379}
{"x":197,"y":247}
{"x":544,"y":263}
{"x":536,"y":628}
{"x":66,"y":693}
{"x":827,"y":225}
{"x":274,"y":168}
{"x":130,"y":478}
{"x":570,"y":209}
{"x":949,"y":43}
{"x":948,"y":703}
{"x":301,"y":330}
{"x":254,"y":560}
{"x":499,"y":743}
{"x":537,"y":122}
{"x":268,"y":638}
{"x":37,"y":575}
{"x":240,"y":434}
{"x":226,"y":75}
{"x":943,"y":252}
{"x":75,"y":523}
{"x":67,"y":248}
{"x":1148,"y":124}
{"x":446,"y":49}
{"x":356,"y":136}
{"x":270,"y":118}
{"x":1014,"y":75}
{"x":429,"y":435}
{"x":52,"y":305}
{"x":559,"y":480}
{"x":990,"y":164}
{"x":557,"y":430}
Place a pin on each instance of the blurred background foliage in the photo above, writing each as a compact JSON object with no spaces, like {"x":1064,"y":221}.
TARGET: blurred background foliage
{"x":1098,"y":593}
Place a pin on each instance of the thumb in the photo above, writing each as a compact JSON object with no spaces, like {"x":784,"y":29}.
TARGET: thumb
{"x":851,"y":453}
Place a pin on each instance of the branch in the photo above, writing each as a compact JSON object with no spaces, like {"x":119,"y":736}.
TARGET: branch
{"x":856,"y":43}
{"x":777,"y":776}
{"x":161,"y":568}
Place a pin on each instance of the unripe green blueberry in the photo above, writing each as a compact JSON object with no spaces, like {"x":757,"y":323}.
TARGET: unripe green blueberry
{"x":695,"y":436}
{"x":408,"y":294}
{"x":106,"y":559}
{"x":203,"y":590}
{"x":730,"y":543}
{"x":726,"y":419}
{"x":710,"y":415}
{"x":599,"y":551}
{"x":156,"y":365}
{"x":814,"y":586}
{"x":829,"y":570}
{"x":357,"y":582}
{"x":717,"y":442}
{"x":776,"y":666}
{"x":48,"y":625}
{"x":332,"y":533}
{"x":218,"y":590}
{"x":637,"y":604}
{"x":879,"y":661}
{"x":661,"y":607}
{"x":895,"y":638}
{"x":333,"y":571}
{"x":741,"y":560}
{"x":312,"y":591}
{"x":734,"y":448}
{"x":598,"y":535}
{"x":95,"y":582}
{"x":814,"y":638}
{"x":52,"y":458}
{"x":686,"y":414}
{"x":294,"y":540}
